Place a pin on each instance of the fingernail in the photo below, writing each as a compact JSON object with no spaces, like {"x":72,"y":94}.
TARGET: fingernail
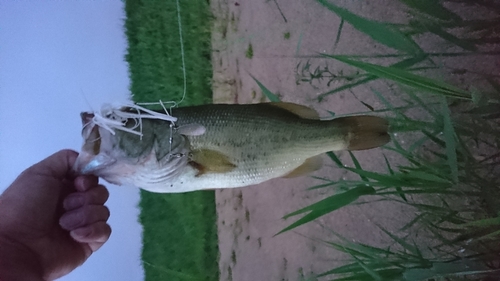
{"x":73,"y":202}
{"x":85,"y":182}
{"x":79,"y":233}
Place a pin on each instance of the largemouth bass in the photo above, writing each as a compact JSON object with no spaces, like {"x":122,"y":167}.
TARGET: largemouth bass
{"x":221,"y":146}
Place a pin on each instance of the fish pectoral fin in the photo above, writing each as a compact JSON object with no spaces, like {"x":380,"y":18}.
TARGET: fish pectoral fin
{"x":298,"y":109}
{"x":310,"y":165}
{"x":191,"y":130}
{"x":210,"y":161}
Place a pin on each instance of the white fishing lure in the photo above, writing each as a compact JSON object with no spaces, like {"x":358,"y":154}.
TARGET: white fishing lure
{"x":112,"y":117}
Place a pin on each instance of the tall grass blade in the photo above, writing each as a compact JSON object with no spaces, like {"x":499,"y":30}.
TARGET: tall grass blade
{"x":402,"y":242}
{"x":429,"y":107}
{"x":270,"y":95}
{"x":492,"y":235}
{"x":432,"y":8}
{"x":339,"y":32}
{"x":449,"y":136}
{"x":413,"y":222}
{"x":419,"y":178}
{"x":398,"y":188}
{"x":357,"y":165}
{"x":347,"y":86}
{"x":335,"y":159}
{"x":407,"y":78}
{"x":359,"y":249}
{"x":348,"y":268}
{"x":368,"y":270}
{"x":437,"y":30}
{"x":484,"y":222}
{"x":378,"y":31}
{"x":406,"y":63}
{"x":299,"y":44}
{"x":328,"y":205}
{"x":485,"y":109}
{"x":411,"y":61}
{"x":385,"y":269}
{"x":452,"y":269}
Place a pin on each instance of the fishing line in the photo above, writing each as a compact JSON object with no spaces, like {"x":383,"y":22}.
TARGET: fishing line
{"x":184,"y":89}
{"x":183,"y":61}
{"x":184,"y":74}
{"x":182,"y":51}
{"x":85,"y":98}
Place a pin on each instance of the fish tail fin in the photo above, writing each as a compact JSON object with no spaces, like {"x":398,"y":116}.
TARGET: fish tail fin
{"x":365,"y":132}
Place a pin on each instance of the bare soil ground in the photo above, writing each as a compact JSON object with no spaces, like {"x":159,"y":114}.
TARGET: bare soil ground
{"x":278,"y":34}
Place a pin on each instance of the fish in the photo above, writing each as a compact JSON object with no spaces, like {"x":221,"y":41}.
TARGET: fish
{"x":218,"y":146}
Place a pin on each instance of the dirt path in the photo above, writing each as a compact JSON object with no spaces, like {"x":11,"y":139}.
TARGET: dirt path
{"x":250,"y":217}
{"x":278,"y":33}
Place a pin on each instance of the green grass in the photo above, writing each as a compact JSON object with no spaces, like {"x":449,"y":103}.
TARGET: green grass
{"x":180,"y":230}
{"x":249,"y":52}
{"x":154,"y":53}
{"x":459,"y":162}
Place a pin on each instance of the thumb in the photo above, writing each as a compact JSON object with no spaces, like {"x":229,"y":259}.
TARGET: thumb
{"x":43,"y":181}
{"x":58,"y":165}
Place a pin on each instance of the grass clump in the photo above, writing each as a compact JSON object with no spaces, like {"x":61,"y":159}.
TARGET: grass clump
{"x":249,"y":51}
{"x":180,"y":230}
{"x":451,"y":160}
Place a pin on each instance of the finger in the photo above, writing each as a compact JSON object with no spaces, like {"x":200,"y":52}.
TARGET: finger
{"x":83,"y":216}
{"x":95,"y":235}
{"x":97,"y":195}
{"x":84,"y":182}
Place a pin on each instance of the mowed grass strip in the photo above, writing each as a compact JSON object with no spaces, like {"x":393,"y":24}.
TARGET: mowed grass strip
{"x":180,"y":231}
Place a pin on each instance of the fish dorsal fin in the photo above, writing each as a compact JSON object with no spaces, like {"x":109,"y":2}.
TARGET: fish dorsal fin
{"x":191,"y":130}
{"x":210,"y":161}
{"x":298,"y":109}
{"x":310,"y":165}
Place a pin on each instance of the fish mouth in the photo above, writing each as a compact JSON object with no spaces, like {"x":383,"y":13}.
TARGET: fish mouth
{"x":87,"y":164}
{"x":86,"y":118}
{"x":91,"y":159}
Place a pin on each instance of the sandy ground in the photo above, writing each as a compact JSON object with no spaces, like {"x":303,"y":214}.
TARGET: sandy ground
{"x":248,"y":218}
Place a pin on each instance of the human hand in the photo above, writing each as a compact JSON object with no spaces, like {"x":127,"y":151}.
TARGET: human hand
{"x":50,"y":220}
